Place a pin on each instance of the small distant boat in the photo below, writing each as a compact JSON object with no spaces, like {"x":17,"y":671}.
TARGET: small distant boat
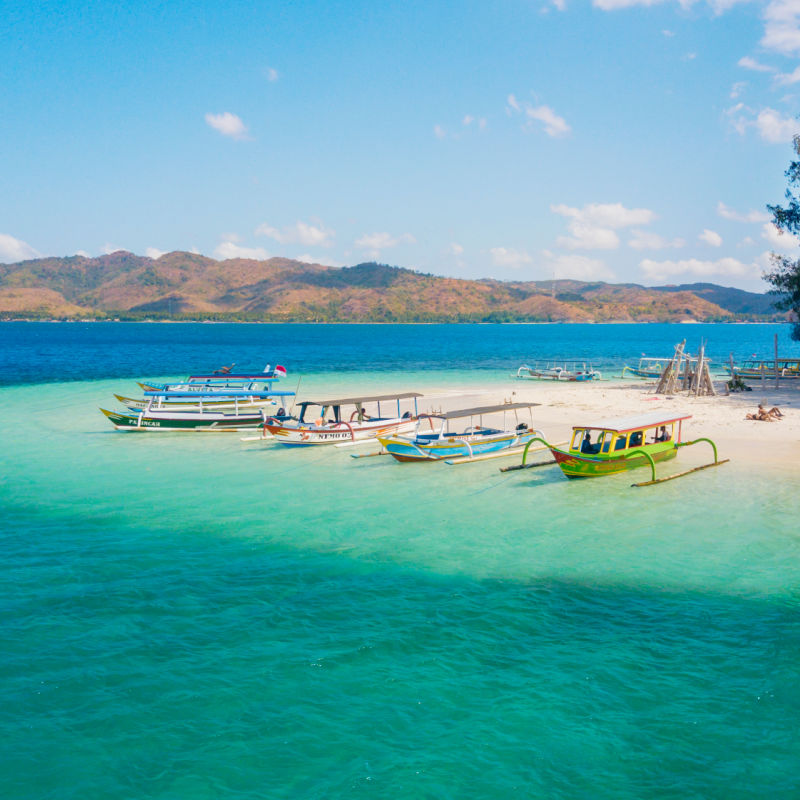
{"x":558,"y":371}
{"x":620,"y":445}
{"x":753,"y":368}
{"x":647,"y":367}
{"x":328,"y":421}
{"x":470,"y":443}
{"x":200,"y":416}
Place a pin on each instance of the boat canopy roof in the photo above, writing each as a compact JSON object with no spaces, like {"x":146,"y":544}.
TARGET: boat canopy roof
{"x":218,"y":395}
{"x":244,"y":376}
{"x":475,"y":412}
{"x":625,"y":424}
{"x":346,"y":401}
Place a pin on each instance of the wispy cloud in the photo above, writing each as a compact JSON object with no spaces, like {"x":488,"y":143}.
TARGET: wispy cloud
{"x":373,"y":243}
{"x":646,"y":240}
{"x":771,"y":125}
{"x":271,"y":74}
{"x":710,"y":237}
{"x":13,"y":250}
{"x":748,"y":216}
{"x":154,"y":252}
{"x":509,"y":257}
{"x":788,"y":78}
{"x":723,"y":267}
{"x":439,"y":132}
{"x":554,"y":125}
{"x":750,"y":63}
{"x":575,"y":267}
{"x":594,"y":226}
{"x":301,"y":233}
{"x":783,"y":242}
{"x":229,"y":249}
{"x":228,"y":125}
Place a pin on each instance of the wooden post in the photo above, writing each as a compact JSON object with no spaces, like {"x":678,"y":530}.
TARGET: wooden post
{"x":777,"y":371}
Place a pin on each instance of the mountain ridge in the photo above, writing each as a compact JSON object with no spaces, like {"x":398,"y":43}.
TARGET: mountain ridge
{"x":180,"y":285}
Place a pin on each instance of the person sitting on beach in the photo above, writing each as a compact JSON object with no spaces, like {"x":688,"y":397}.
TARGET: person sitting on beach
{"x":762,"y":415}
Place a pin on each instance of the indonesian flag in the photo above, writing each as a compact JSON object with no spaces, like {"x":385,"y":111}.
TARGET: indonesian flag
{"x":279,"y":370}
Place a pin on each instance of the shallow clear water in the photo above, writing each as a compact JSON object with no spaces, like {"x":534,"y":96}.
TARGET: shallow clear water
{"x":191,"y":616}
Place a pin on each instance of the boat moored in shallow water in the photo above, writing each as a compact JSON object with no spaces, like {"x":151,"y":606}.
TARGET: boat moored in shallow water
{"x":433,"y":440}
{"x":331,"y":421}
{"x":620,"y":445}
{"x":558,"y":371}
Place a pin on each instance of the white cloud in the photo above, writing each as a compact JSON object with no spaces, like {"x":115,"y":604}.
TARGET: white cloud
{"x":783,"y":242}
{"x":737,"y":89}
{"x":468,"y":119}
{"x":373,"y":243}
{"x":13,"y":250}
{"x":756,"y":66}
{"x":781,"y":26}
{"x":154,"y":253}
{"x":575,"y":267}
{"x":271,"y":74}
{"x":784,"y":78}
{"x":615,"y":5}
{"x":748,"y":241}
{"x":554,"y":125}
{"x":774,"y":127}
{"x":439,"y":132}
{"x":82,"y":253}
{"x":749,"y":216}
{"x":668,"y":34}
{"x":690,"y":56}
{"x":228,"y":125}
{"x":109,"y":248}
{"x":509,"y":257}
{"x":646,"y":240}
{"x":456,"y":249}
{"x":300,"y":232}
{"x":593,"y":226}
{"x":309,"y":259}
{"x":561,"y":5}
{"x":710,"y":237}
{"x":229,"y":249}
{"x":693,"y":267}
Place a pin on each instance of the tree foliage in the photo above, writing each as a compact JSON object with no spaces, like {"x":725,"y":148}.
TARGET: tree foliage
{"x":785,"y":274}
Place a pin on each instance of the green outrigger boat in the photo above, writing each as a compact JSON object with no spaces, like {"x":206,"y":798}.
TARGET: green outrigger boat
{"x":612,"y":446}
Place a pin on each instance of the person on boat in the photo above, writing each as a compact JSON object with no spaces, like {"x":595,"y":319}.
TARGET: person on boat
{"x":663,"y":436}
{"x":586,"y":444}
{"x":224,"y":370}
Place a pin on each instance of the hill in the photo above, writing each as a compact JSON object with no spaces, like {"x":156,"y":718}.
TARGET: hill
{"x":182,"y":285}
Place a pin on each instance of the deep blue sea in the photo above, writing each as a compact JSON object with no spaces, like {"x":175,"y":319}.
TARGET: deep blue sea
{"x":191,"y":616}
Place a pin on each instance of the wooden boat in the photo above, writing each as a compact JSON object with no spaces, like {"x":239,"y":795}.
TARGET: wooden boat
{"x":156,"y":417}
{"x":211,"y":402}
{"x":754,"y":369}
{"x":647,"y":367}
{"x":558,"y":371}
{"x":328,"y":421}
{"x":432,"y":443}
{"x":620,"y":445}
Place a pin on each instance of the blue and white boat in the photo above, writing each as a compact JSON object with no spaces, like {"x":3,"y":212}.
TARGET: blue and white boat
{"x":433,"y":439}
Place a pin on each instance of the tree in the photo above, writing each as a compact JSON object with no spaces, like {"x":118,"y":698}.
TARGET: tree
{"x":785,"y":275}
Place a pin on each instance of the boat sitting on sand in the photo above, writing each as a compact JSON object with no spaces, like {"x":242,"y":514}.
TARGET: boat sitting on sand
{"x":558,"y":371}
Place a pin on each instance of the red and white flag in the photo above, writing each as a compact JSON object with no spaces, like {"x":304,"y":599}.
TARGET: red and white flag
{"x":279,"y":370}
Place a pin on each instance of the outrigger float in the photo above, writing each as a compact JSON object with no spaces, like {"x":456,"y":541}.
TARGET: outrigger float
{"x":621,"y":445}
{"x":328,"y":421}
{"x":202,"y":414}
{"x":475,"y":442}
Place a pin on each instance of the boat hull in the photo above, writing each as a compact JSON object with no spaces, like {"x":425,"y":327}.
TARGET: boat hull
{"x":183,"y":421}
{"x":210,"y":405}
{"x":467,"y":446}
{"x":579,"y":465}
{"x":341,"y":433}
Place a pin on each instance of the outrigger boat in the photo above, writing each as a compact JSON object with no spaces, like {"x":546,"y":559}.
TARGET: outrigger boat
{"x":558,"y":371}
{"x":200,"y":416}
{"x":473,"y":441}
{"x":754,"y":369}
{"x":209,"y":401}
{"x":327,"y":421}
{"x":653,"y":368}
{"x":621,"y":445}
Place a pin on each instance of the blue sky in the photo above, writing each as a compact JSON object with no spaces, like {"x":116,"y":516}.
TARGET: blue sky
{"x":620,"y":140}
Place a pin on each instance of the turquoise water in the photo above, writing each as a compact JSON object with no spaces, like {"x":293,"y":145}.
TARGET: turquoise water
{"x":191,"y":616}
